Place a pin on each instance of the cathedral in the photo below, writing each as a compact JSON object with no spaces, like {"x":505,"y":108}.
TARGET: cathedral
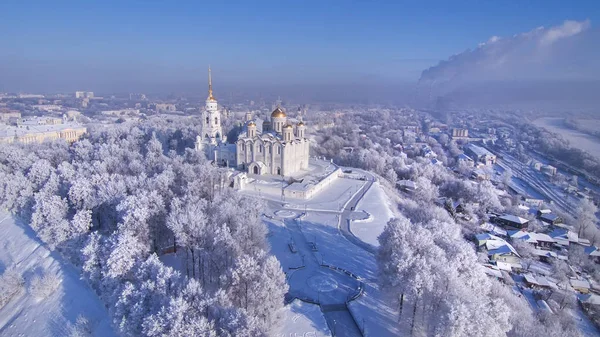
{"x":276,"y":147}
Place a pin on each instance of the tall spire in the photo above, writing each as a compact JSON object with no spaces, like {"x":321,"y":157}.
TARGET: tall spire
{"x":210,"y":93}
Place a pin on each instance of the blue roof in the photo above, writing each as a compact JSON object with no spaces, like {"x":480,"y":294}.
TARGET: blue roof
{"x":512,"y":231}
{"x":483,"y":236}
{"x":558,"y":232}
{"x":590,"y":249}
{"x":549,"y":216}
{"x":500,"y":251}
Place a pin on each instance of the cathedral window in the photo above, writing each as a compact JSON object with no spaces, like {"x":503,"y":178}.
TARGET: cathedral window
{"x":216,"y":121}
{"x":207,"y":120}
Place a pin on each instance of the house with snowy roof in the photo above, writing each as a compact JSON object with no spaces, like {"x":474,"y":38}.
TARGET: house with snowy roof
{"x":583,"y":286}
{"x":564,"y":236}
{"x":589,"y":299}
{"x":465,"y":160}
{"x":539,"y":240}
{"x":512,"y":221}
{"x":407,"y":185}
{"x":550,"y":218}
{"x":498,"y":249}
{"x":494,"y":230}
{"x":593,"y":252}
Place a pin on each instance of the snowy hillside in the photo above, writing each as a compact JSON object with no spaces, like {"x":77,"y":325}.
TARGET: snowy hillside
{"x":377,"y":205}
{"x":52,"y":307}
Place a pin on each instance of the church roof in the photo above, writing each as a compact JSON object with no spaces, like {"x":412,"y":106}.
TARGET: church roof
{"x":278,"y":112}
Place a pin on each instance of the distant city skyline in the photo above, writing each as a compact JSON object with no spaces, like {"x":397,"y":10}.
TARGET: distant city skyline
{"x":113,"y":46}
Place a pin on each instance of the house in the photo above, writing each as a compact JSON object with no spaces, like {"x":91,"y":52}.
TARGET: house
{"x":509,"y":220}
{"x":493,"y":271}
{"x":463,"y":159}
{"x":539,"y":240}
{"x":544,"y":241}
{"x":589,"y":299}
{"x":505,"y":253}
{"x":543,"y":211}
{"x":480,"y":174}
{"x":583,"y":286}
{"x":504,"y":266}
{"x":480,"y":154}
{"x":550,"y":218}
{"x":407,"y":186}
{"x":545,"y":255}
{"x":498,"y":249}
{"x":593,"y":252}
{"x":494,"y":230}
{"x":453,"y":206}
{"x":549,"y":170}
{"x":564,"y":237}
{"x":481,"y":239}
{"x":530,"y":280}
{"x":533,"y":202}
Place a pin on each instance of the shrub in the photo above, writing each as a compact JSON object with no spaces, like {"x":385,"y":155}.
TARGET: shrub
{"x":43,"y":286}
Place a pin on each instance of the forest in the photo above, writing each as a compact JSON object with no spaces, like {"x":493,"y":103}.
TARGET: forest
{"x":115,"y":201}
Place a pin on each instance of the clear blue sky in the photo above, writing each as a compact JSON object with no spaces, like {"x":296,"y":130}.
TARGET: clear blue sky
{"x":87,"y":44}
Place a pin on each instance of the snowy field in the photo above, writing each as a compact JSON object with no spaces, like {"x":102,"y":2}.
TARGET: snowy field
{"x":377,"y":205}
{"x":302,"y":320}
{"x":31,"y":312}
{"x":576,"y":138}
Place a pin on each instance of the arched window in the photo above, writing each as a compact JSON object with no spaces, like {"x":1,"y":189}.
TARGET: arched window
{"x":206,"y":136}
{"x":216,"y":121}
{"x":207,"y":121}
{"x":278,"y":149}
{"x":218,"y":135}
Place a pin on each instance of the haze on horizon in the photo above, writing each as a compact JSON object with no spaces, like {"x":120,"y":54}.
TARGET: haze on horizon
{"x":311,"y":49}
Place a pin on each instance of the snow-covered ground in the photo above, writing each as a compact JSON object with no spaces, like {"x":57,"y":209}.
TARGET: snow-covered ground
{"x":26,"y":314}
{"x":576,"y":138}
{"x":332,"y":198}
{"x":373,"y":310}
{"x":301,"y":319}
{"x":377,"y":205}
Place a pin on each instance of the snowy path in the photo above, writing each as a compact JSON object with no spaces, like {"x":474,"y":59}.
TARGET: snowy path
{"x":344,"y":224}
{"x":27,"y":315}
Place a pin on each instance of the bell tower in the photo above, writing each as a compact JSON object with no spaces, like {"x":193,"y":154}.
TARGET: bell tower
{"x":211,"y":117}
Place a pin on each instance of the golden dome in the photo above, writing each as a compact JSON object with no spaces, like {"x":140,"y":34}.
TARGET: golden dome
{"x":300,"y":123}
{"x":278,"y":113}
{"x":251,"y":123}
{"x":287,"y":126}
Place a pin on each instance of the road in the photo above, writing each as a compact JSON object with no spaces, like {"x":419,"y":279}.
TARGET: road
{"x":344,"y":222}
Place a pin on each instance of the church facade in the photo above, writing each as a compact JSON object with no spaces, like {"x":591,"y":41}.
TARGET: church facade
{"x":278,"y":147}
